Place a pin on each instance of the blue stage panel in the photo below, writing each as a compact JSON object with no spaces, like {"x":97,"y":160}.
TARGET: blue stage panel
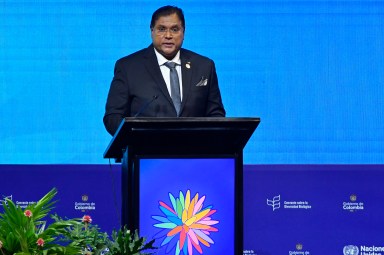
{"x":318,"y":209}
{"x":297,"y":209}
{"x":94,"y":190}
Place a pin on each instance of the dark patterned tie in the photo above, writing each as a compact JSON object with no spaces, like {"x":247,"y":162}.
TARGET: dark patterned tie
{"x":175,"y":86}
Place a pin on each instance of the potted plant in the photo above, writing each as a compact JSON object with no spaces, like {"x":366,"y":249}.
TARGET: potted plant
{"x":125,"y":242}
{"x":94,"y":242}
{"x":24,"y":232}
{"x":84,"y":235}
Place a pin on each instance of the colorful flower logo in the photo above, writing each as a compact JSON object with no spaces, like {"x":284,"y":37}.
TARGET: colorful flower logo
{"x":186,"y":224}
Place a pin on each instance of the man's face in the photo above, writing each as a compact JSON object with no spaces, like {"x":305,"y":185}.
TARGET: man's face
{"x":168,"y":35}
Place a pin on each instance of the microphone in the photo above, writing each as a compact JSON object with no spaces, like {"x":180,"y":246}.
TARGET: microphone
{"x":145,"y":106}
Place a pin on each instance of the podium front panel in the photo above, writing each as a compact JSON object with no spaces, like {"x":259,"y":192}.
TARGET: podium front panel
{"x":188,"y":204}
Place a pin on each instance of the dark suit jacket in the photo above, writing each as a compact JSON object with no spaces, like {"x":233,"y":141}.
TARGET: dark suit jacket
{"x":138,"y":87}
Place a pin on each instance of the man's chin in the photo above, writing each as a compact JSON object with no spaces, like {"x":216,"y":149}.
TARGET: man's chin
{"x":169,"y":54}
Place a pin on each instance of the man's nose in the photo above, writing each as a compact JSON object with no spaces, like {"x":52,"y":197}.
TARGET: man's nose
{"x":168,"y":33}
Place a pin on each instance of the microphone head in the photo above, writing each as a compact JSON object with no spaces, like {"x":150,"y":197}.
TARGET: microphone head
{"x":145,"y":106}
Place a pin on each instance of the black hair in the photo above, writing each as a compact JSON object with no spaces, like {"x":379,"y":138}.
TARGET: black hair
{"x":166,"y":11}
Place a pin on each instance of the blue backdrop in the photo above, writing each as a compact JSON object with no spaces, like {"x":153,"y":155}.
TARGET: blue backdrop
{"x":312,"y":70}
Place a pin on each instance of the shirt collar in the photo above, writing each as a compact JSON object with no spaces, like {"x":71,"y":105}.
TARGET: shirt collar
{"x":162,"y":60}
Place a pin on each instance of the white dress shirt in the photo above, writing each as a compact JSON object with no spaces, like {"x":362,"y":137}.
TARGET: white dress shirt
{"x":166,"y":71}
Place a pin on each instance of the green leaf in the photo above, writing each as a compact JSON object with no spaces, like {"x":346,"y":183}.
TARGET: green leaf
{"x":43,"y":206}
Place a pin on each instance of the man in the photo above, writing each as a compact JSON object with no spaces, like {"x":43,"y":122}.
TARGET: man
{"x":145,"y":84}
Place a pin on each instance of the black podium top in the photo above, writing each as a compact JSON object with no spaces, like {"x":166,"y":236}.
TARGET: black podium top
{"x":181,"y":136}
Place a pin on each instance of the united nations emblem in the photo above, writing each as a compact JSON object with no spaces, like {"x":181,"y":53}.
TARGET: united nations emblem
{"x":353,"y":198}
{"x":299,"y":246}
{"x":84,"y":198}
{"x":351,"y":250}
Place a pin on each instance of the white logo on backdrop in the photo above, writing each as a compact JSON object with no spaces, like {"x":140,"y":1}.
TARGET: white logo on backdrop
{"x":275,"y":202}
{"x":351,"y":250}
{"x":4,"y":199}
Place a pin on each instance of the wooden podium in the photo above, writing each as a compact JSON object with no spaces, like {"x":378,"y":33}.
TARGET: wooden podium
{"x":198,"y":159}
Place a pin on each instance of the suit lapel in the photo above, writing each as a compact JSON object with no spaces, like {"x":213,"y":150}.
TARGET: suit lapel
{"x":152,"y":66}
{"x":186,"y":72}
